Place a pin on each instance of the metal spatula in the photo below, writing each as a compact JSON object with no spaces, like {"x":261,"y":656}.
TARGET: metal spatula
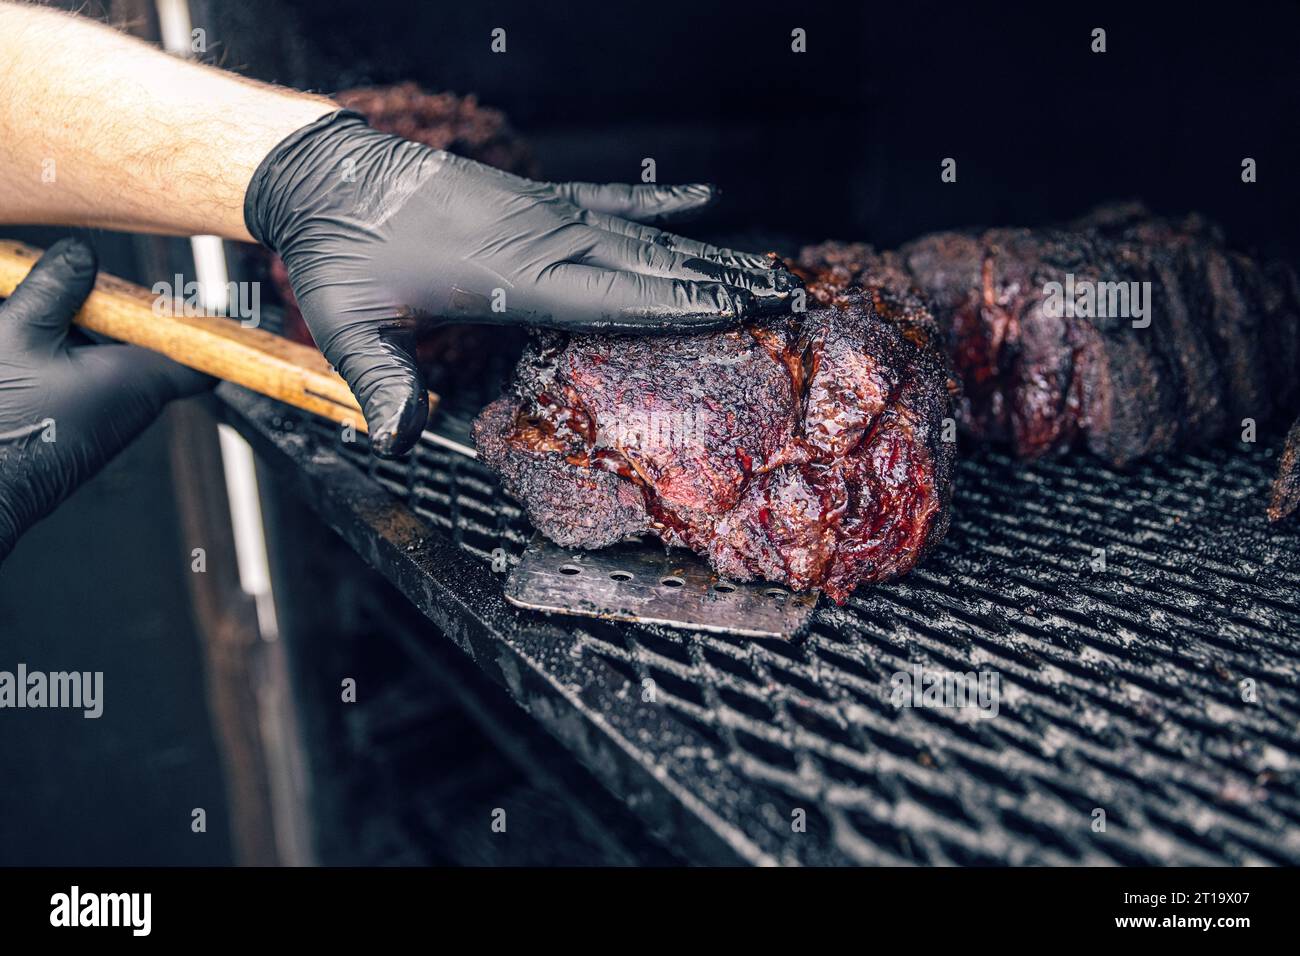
{"x":646,"y":583}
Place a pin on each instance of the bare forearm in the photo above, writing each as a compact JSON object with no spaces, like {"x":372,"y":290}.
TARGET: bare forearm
{"x":99,"y":129}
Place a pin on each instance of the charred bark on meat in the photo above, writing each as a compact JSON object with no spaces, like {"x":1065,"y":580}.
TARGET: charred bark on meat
{"x":1222,"y":346}
{"x":806,"y":451}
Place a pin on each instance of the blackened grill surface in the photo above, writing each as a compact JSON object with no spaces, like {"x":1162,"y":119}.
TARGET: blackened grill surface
{"x":1122,"y":689}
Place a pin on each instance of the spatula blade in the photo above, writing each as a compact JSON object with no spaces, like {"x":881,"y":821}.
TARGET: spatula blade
{"x":644,"y":582}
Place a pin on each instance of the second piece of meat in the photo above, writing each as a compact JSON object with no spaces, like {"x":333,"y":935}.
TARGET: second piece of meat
{"x":1217,"y":347}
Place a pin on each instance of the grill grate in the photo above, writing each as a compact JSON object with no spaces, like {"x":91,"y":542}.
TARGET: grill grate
{"x":1120,"y":684}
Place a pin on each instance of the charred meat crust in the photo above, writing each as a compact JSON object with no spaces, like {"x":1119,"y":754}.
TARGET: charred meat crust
{"x":1284,"y":499}
{"x":806,"y":451}
{"x":458,"y":124}
{"x":1223,"y":343}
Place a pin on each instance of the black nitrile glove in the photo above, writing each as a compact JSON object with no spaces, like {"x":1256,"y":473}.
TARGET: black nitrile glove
{"x":380,"y":235}
{"x":67,"y":405}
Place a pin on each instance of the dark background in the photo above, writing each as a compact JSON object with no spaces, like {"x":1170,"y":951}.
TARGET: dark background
{"x":844,"y":141}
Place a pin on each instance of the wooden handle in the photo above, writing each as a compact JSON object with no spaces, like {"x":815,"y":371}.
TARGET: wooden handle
{"x":258,"y":360}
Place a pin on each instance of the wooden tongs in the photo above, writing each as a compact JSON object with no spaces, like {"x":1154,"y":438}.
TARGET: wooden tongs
{"x":295,"y":374}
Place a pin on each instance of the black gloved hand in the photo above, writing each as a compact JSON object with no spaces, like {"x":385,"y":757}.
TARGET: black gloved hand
{"x":66,"y":405}
{"x":380,"y":234}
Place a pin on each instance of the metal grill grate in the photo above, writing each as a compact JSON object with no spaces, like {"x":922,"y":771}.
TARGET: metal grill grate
{"x":1121,"y":687}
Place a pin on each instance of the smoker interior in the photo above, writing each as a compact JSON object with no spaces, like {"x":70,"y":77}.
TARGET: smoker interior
{"x":1121,"y":689}
{"x":1121,"y":686}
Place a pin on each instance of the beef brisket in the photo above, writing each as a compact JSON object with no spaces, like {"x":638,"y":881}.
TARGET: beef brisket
{"x":1285,"y":497}
{"x":1222,"y":346}
{"x":806,"y":451}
